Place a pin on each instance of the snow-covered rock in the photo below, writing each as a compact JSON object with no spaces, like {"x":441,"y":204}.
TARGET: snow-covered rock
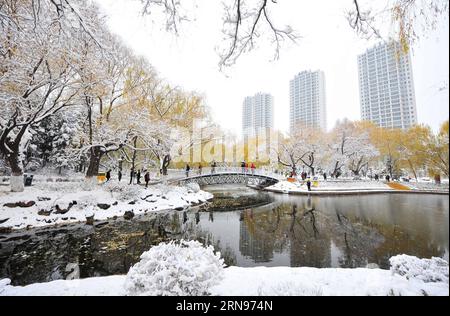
{"x":176,"y":268}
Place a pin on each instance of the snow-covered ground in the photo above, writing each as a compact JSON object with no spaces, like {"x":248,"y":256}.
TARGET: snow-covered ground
{"x":57,"y":203}
{"x":408,"y":276}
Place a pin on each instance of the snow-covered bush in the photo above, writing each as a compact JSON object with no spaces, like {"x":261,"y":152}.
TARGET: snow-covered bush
{"x":184,"y":268}
{"x":123,"y":191}
{"x":427,"y":270}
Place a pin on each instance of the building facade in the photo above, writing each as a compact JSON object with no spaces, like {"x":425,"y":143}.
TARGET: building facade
{"x":308,"y":100}
{"x":386,"y":87}
{"x":257,"y":114}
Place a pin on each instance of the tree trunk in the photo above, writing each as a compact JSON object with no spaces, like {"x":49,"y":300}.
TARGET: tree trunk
{"x":133,"y":159}
{"x":336,"y":170}
{"x":16,"y":180}
{"x":165,"y":164}
{"x":412,"y":169}
{"x":94,"y":162}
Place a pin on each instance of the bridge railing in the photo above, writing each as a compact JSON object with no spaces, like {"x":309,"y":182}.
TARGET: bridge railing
{"x":195,"y":172}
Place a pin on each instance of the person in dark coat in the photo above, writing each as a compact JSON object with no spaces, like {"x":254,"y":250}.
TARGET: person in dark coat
{"x":308,"y":184}
{"x":188,"y":168}
{"x":325,"y":176}
{"x":119,"y":176}
{"x":388,"y":178}
{"x":131,"y":175}
{"x":147,"y":178}
{"x":138,"y":176}
{"x":199,"y":168}
{"x":108,"y":175}
{"x":376,"y":177}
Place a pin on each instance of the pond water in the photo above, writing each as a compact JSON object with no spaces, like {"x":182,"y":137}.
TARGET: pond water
{"x":281,"y":230}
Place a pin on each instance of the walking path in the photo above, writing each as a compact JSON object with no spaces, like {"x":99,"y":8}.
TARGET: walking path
{"x":398,"y":186}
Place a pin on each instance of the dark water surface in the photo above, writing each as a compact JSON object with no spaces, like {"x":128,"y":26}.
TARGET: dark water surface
{"x":338,"y":231}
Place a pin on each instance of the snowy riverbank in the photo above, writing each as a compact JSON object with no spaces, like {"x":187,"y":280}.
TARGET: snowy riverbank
{"x":353,"y":187}
{"x":49,"y":204}
{"x":411,"y":276}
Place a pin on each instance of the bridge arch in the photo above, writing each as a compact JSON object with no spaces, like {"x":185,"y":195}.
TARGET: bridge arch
{"x":258,"y":180}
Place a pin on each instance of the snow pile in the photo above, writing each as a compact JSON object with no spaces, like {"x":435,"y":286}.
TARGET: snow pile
{"x":287,"y":186}
{"x":3,"y":284}
{"x":176,"y":268}
{"x":427,"y":270}
{"x":194,"y":187}
{"x":289,"y":288}
{"x":122,"y":190}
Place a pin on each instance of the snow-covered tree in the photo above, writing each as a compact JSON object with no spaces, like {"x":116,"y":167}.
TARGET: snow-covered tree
{"x":350,"y":148}
{"x":305,"y":146}
{"x":38,"y":52}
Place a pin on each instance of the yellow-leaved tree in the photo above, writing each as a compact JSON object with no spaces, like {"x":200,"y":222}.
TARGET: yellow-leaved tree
{"x":438,"y":155}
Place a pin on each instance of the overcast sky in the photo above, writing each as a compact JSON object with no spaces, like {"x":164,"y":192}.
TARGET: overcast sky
{"x":328,"y":43}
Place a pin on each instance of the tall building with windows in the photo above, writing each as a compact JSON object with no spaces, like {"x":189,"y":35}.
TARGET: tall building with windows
{"x":257,"y":114}
{"x":386,"y":86}
{"x":308,"y":100}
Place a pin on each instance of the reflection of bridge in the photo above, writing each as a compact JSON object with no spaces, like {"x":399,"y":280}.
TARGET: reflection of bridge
{"x":209,"y":176}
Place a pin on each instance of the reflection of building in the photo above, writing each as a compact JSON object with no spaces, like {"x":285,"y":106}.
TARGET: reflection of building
{"x":257,"y":114}
{"x":255,"y":246}
{"x":386,"y":87}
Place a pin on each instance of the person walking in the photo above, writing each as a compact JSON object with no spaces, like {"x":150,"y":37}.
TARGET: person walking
{"x":376,"y":177}
{"x":308,"y":183}
{"x":119,"y":175}
{"x":131,"y":175}
{"x":325,"y":176}
{"x":213,"y":167}
{"x":437,"y":179}
{"x":108,"y":175}
{"x":388,"y":178}
{"x":200,"y":169}
{"x":188,"y":168}
{"x":253,"y":167}
{"x":243,"y":167}
{"x":147,"y":178}
{"x":138,"y":176}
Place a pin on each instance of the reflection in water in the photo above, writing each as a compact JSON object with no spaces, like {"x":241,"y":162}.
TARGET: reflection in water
{"x":291,"y":231}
